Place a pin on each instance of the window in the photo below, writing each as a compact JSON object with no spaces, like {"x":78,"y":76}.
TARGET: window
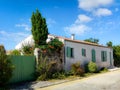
{"x":93,"y":55}
{"x":70,"y":52}
{"x":83,"y":52}
{"x":103,"y":55}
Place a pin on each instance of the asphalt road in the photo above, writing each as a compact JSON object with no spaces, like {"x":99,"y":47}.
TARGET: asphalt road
{"x":106,"y":81}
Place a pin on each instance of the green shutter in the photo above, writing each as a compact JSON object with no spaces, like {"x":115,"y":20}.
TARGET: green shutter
{"x":68,"y":51}
{"x":82,"y":52}
{"x":105,"y":55}
{"x":93,"y":56}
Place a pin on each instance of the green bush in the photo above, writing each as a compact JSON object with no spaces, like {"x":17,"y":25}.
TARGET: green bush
{"x":6,"y":67}
{"x":15,"y":52}
{"x":92,"y":67}
{"x":46,"y":69}
{"x":55,"y":45}
{"x":42,"y":68}
{"x":103,"y":69}
{"x":28,"y":50}
{"x":58,"y":75}
{"x":76,"y":69}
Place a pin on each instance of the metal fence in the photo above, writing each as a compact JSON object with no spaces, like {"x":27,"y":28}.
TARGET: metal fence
{"x":24,"y":68}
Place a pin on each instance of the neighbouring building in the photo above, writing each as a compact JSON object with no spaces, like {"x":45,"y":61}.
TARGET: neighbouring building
{"x":76,"y":50}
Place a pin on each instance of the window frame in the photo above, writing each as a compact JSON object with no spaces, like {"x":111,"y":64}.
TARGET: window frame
{"x":103,"y":56}
{"x":83,"y":52}
{"x":70,"y":52}
{"x":93,"y":55}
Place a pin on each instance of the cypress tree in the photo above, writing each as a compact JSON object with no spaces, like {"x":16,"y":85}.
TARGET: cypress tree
{"x":39,"y":28}
{"x":6,"y":67}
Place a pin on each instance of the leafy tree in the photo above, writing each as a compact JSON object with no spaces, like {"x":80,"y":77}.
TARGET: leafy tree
{"x":109,"y":44}
{"x":92,"y":40}
{"x":27,"y":50}
{"x":39,"y":28}
{"x":5,"y":67}
{"x":116,"y":55}
{"x":15,"y":52}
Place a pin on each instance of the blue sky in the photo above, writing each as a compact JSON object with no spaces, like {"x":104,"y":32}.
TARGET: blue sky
{"x":85,"y":18}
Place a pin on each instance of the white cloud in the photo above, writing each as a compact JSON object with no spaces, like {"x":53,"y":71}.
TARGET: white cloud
{"x":11,"y":36}
{"x":50,"y":22}
{"x":25,"y":26}
{"x":102,"y":12}
{"x":77,"y":29}
{"x":83,"y":19}
{"x":89,"y":5}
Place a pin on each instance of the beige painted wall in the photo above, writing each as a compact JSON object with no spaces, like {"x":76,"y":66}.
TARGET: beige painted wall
{"x":78,"y":54}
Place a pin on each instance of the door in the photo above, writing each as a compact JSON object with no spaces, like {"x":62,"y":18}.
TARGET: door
{"x":93,"y":55}
{"x":110,"y":59}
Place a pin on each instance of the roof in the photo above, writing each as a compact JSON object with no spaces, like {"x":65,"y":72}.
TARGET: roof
{"x":27,"y":41}
{"x":80,"y":41}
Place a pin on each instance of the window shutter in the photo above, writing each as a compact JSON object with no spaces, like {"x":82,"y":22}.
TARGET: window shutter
{"x":82,"y":52}
{"x":93,"y":56}
{"x":68,"y":51}
{"x":105,"y":55}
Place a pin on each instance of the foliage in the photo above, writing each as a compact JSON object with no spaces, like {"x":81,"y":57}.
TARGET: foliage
{"x":39,"y":28}
{"x":55,"y":45}
{"x":58,"y":75}
{"x":92,"y":67}
{"x":92,"y":40}
{"x":109,"y":44}
{"x":103,"y":69}
{"x":6,"y":67}
{"x":27,"y":49}
{"x":76,"y":69}
{"x":52,"y":48}
{"x":116,"y":55}
{"x":46,"y":69}
{"x":15,"y":52}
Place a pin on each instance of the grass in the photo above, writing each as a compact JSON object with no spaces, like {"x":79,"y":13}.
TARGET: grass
{"x":75,"y":77}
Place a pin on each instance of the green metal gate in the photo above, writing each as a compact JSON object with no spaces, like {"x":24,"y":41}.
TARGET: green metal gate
{"x":24,"y":68}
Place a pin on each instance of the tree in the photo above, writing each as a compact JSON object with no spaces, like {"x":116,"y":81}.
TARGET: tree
{"x":39,"y":28}
{"x":15,"y":52}
{"x":116,"y":55}
{"x":92,"y":40}
{"x":109,"y":44}
{"x":6,"y":67}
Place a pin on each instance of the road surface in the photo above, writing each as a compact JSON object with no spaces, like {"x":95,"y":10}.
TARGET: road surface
{"x":106,"y":81}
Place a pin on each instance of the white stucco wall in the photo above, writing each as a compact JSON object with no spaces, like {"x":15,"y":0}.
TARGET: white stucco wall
{"x":83,"y":60}
{"x":28,"y":41}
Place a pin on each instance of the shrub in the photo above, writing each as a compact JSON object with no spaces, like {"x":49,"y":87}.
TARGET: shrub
{"x":15,"y":52}
{"x":46,"y":69}
{"x":42,"y":68}
{"x":92,"y":67}
{"x":76,"y":69}
{"x":55,"y":45}
{"x":6,"y":67}
{"x":28,"y":50}
{"x":58,"y":75}
{"x":103,"y":69}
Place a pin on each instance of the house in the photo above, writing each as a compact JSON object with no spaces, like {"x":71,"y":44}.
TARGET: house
{"x":83,"y":52}
{"x":28,"y":41}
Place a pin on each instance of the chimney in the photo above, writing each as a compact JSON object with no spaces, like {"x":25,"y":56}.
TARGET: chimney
{"x":72,"y":36}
